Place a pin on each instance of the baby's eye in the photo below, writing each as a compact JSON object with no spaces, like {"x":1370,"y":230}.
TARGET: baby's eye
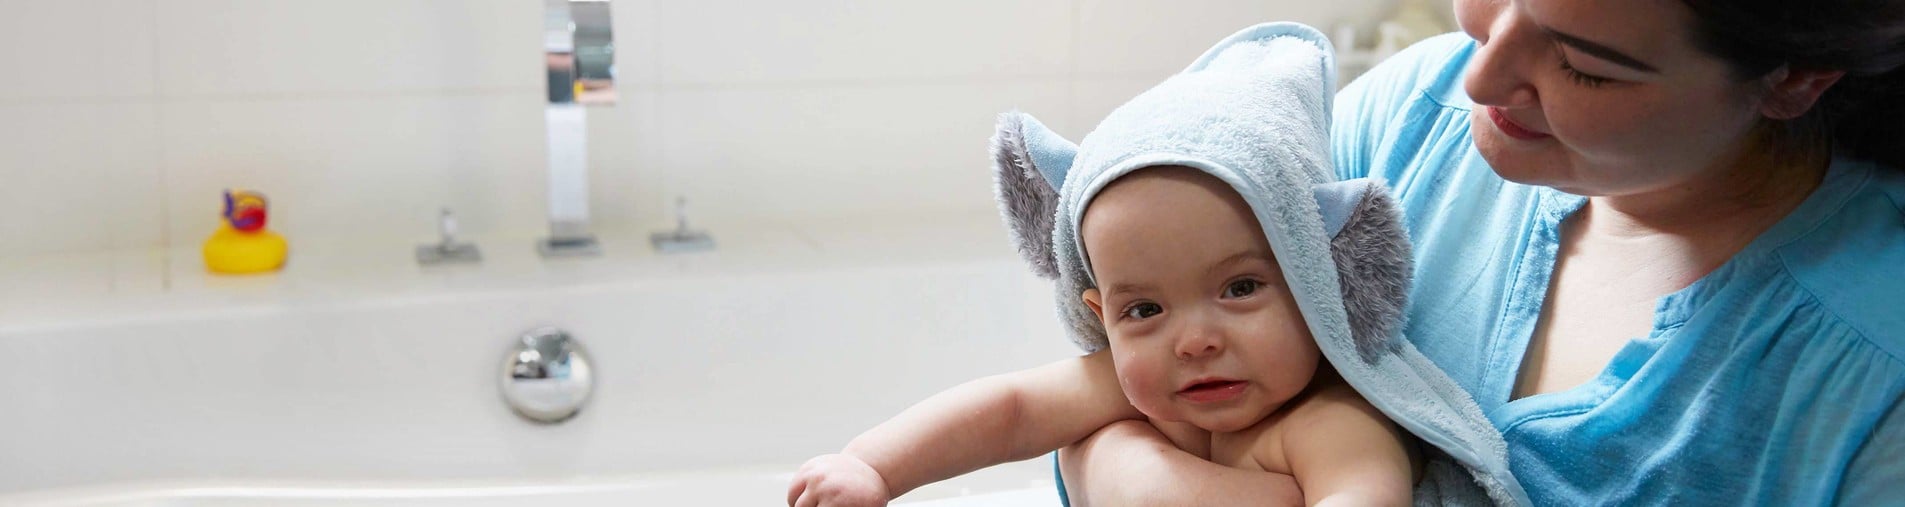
{"x":1142,"y":311}
{"x":1242,"y":288}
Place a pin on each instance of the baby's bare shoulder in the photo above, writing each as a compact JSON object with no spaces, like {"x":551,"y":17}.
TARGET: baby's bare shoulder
{"x":1324,"y":414}
{"x":1333,"y":409}
{"x":1335,"y":443}
{"x":1333,"y":413}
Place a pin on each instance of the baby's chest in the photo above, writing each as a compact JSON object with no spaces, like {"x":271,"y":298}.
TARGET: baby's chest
{"x":1256,"y":448}
{"x":1252,"y":449}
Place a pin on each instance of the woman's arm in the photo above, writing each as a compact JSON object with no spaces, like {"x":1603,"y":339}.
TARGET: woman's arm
{"x":1877,"y":472}
{"x":985,"y":422}
{"x":1131,"y":463}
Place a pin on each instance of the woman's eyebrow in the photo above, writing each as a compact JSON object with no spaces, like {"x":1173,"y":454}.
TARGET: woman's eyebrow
{"x":1601,"y":51}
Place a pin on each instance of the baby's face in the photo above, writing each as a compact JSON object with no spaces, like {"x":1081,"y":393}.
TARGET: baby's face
{"x":1203,"y":328}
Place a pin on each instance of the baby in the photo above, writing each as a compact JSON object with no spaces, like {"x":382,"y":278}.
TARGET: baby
{"x":1206,"y":343}
{"x":1166,"y":244}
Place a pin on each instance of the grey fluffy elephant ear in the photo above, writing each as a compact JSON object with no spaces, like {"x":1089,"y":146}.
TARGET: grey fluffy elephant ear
{"x":1029,"y":163}
{"x":1370,"y":246}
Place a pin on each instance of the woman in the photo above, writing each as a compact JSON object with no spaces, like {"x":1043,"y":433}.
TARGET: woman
{"x":1658,"y":241}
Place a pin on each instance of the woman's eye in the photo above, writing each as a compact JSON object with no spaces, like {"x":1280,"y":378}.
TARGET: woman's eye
{"x":1241,"y":288}
{"x":1583,"y":79}
{"x":1143,"y":310}
{"x":1575,"y":75}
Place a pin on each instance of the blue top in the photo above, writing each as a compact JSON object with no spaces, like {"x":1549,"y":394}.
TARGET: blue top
{"x":1776,"y":379}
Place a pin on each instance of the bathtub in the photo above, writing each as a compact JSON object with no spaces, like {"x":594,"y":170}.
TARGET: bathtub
{"x":356,"y":377}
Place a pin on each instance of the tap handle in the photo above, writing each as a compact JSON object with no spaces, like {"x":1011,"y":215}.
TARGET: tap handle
{"x":446,"y":226}
{"x":681,"y":214}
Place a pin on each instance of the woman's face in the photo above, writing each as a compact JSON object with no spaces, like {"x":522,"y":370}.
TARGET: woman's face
{"x":1601,"y":97}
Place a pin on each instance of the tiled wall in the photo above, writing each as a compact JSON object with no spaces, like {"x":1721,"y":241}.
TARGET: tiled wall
{"x":121,"y":120}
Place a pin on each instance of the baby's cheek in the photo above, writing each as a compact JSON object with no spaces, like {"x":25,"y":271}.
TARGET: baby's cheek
{"x":1141,"y":387}
{"x":1298,"y":366}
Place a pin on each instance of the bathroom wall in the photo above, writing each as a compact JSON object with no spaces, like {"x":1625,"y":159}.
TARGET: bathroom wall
{"x":121,"y":120}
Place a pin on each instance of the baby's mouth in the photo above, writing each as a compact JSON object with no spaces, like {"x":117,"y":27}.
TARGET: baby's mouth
{"x":1214,"y":390}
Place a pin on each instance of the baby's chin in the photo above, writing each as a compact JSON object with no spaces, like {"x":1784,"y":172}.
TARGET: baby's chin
{"x":1223,"y":420}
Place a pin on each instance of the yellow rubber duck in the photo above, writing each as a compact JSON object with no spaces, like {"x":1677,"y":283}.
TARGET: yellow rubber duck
{"x":242,"y":245}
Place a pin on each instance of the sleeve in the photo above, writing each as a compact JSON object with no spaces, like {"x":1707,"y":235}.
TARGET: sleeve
{"x":1877,"y":473}
{"x":1365,"y":110}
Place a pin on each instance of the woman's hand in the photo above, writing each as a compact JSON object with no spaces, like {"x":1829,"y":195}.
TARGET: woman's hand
{"x":837,"y":480}
{"x":1131,"y":463}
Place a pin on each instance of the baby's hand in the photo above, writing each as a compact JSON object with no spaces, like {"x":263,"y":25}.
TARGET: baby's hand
{"x":837,"y":480}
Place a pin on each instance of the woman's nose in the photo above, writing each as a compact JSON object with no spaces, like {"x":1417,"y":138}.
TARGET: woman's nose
{"x":1498,"y":73}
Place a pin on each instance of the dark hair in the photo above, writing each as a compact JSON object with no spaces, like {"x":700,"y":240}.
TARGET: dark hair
{"x":1863,"y":115}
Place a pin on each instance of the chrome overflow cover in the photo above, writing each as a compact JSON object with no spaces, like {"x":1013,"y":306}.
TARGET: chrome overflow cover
{"x":546,"y":376}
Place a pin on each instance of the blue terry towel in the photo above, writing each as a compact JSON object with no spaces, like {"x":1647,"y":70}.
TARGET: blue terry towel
{"x":1254,"y":112}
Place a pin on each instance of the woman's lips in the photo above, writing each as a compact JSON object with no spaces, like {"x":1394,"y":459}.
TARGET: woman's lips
{"x":1213,"y":391}
{"x":1511,"y":128}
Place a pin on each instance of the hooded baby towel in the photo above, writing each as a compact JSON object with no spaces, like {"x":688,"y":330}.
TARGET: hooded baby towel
{"x":1253,"y":111}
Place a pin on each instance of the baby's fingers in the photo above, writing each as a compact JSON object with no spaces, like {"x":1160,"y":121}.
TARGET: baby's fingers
{"x":802,"y":482}
{"x":808,"y":499}
{"x":795,"y":489}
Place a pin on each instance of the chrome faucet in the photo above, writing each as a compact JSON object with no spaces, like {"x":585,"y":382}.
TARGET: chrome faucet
{"x":447,"y":250}
{"x":579,"y":52}
{"x":683,"y":238}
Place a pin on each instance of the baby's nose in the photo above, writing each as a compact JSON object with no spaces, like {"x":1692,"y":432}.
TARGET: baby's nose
{"x":1199,"y":344}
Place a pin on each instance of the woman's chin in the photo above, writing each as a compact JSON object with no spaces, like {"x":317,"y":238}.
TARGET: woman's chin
{"x":1515,"y":161}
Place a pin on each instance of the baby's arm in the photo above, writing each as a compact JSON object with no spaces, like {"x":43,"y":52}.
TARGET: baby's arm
{"x":984,"y":422}
{"x":1343,"y":451}
{"x":1132,"y":463}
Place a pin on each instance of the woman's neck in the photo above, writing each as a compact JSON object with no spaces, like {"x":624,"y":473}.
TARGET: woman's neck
{"x":1731,"y":202}
{"x":1677,"y":235}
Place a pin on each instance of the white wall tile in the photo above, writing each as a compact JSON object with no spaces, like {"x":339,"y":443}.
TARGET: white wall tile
{"x":786,"y":154}
{"x":496,"y":158}
{"x":358,"y":167}
{"x":251,"y":47}
{"x":755,"y":41}
{"x":1153,"y":36}
{"x":61,"y":49}
{"x":1094,"y":98}
{"x":638,"y":27}
{"x":362,"y":117}
{"x":625,"y":172}
{"x":78,"y":177}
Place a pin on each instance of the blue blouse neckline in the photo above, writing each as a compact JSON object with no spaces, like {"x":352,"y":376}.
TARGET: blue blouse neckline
{"x":1672,"y":310}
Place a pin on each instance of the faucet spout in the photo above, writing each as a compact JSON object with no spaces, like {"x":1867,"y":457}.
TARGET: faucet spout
{"x":578,"y":47}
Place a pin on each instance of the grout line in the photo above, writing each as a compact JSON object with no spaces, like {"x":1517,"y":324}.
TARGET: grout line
{"x":352,"y":94}
{"x":52,"y":100}
{"x":159,"y":157}
{"x":1071,"y":74}
{"x":788,"y":84}
{"x":264,"y":97}
{"x":878,"y":82}
{"x":665,"y":181}
{"x":1072,"y":45}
